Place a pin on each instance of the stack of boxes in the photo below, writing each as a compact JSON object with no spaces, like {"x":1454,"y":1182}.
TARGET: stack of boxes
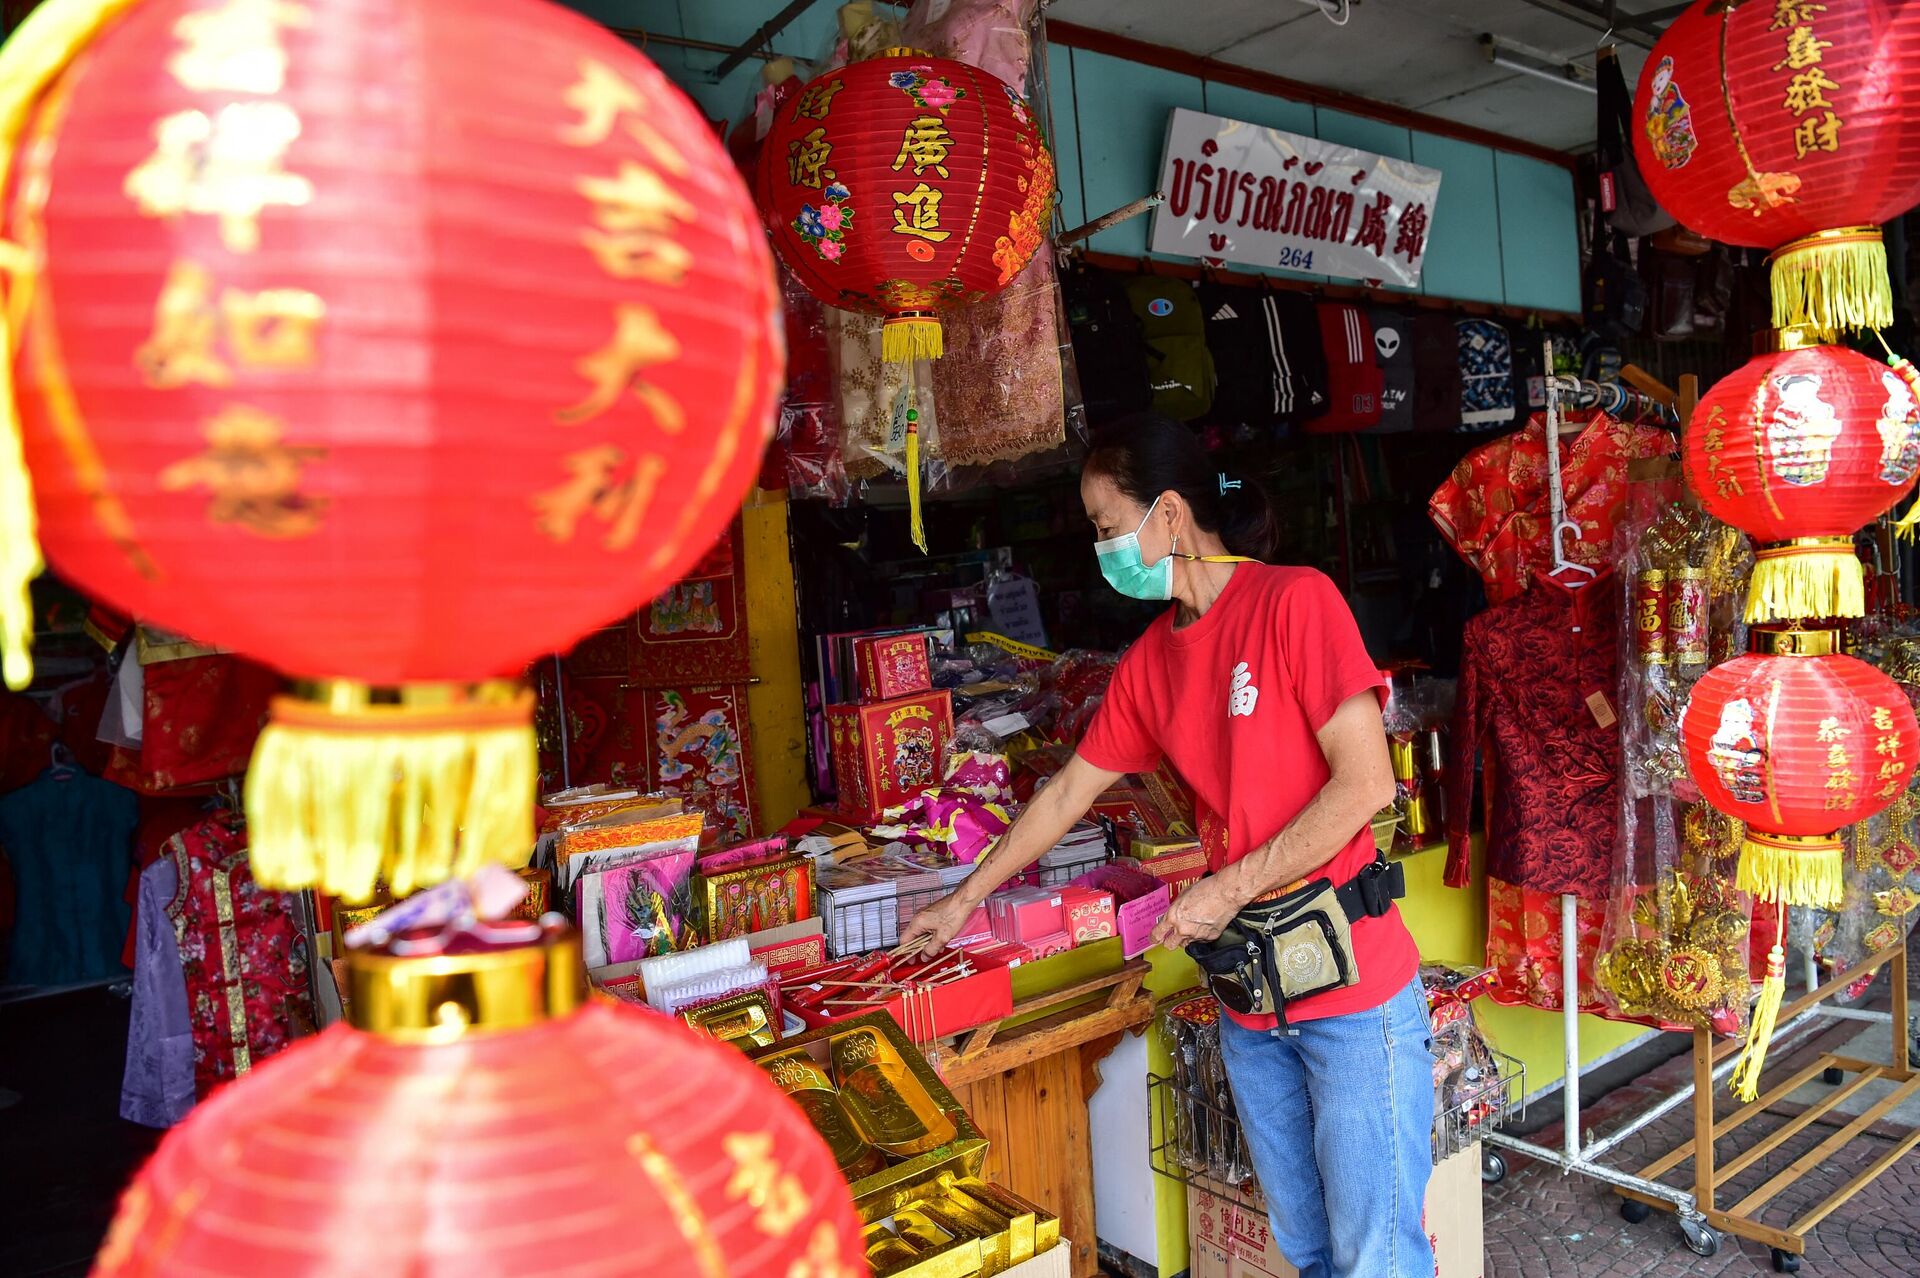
{"x":889,"y":746}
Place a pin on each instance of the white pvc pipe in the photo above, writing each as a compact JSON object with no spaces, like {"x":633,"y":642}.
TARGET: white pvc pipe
{"x":1570,"y":1022}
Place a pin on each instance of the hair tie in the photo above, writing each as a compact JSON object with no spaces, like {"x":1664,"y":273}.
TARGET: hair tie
{"x":1226,"y":483}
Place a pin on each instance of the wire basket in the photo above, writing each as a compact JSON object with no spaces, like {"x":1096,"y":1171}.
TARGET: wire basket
{"x":1480,"y":1105}
{"x":862,"y":926}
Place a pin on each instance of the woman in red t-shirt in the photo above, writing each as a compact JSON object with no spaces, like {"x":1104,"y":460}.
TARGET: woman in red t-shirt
{"x":1256,"y":686}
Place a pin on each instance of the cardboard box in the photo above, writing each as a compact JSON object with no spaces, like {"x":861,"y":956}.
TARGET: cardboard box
{"x":1230,"y":1238}
{"x":887,"y":752}
{"x":887,"y":667}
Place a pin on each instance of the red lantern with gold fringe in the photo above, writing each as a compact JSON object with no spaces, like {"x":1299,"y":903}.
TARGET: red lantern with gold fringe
{"x":1798,"y":742}
{"x":475,"y":1122}
{"x":1786,"y":125}
{"x":1800,"y":448}
{"x":431,"y":336}
{"x":906,"y":185}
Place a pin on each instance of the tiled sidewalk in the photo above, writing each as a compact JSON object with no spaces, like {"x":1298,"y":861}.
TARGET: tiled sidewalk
{"x":1540,"y":1224}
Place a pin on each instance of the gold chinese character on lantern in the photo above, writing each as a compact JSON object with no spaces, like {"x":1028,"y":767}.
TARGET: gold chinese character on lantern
{"x":272,"y":329}
{"x":918,"y":213}
{"x":924,"y":144}
{"x":1817,"y":134}
{"x":253,"y":475}
{"x":594,"y":486}
{"x":604,"y":100}
{"x":807,"y":159}
{"x":1808,"y":91}
{"x":1888,"y":745}
{"x":639,"y":342}
{"x":1804,"y":49}
{"x":1793,"y":13}
{"x":635,"y":215}
{"x":1830,"y":730}
{"x":236,"y":47}
{"x":1882,"y":719}
{"x":229,"y":166}
{"x":816,"y":101}
{"x":778,"y":1198}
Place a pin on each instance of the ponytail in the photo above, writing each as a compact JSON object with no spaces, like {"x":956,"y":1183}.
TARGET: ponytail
{"x":1147,"y":454}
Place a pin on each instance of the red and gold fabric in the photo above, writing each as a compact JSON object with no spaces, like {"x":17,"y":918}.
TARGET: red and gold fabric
{"x":1787,"y":125}
{"x":1524,"y":947}
{"x":436,"y":334}
{"x":695,"y":631}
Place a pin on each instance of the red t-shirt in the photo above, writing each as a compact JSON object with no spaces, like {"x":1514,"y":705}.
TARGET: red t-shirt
{"x":1234,"y":700}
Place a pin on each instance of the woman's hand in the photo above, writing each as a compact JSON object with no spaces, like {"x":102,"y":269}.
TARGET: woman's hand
{"x":933,"y":929}
{"x":1200,"y":913}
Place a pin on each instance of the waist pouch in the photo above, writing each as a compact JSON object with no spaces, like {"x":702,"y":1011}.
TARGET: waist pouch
{"x":1296,"y":945}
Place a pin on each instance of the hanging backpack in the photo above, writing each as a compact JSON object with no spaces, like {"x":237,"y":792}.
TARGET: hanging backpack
{"x":1108,"y":351}
{"x":1625,"y":202}
{"x":1180,"y":374}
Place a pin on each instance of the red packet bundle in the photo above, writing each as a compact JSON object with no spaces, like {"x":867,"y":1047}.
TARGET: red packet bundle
{"x":1090,"y":913}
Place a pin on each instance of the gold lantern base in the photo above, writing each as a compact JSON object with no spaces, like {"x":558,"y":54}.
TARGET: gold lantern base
{"x":442,"y":997}
{"x":1791,"y":870}
{"x":1834,"y":281}
{"x":1808,"y":577}
{"x":352,"y":785}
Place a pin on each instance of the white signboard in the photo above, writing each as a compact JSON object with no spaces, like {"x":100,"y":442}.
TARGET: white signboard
{"x":1236,"y":192}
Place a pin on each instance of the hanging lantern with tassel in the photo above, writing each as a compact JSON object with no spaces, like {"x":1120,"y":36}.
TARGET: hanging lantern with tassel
{"x":434,"y":335}
{"x":474,"y":1119}
{"x":903,"y":186}
{"x":1788,"y":126}
{"x":1798,"y":741}
{"x":1800,"y":448}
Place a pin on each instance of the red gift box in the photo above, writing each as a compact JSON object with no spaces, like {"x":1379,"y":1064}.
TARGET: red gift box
{"x":1090,"y":913}
{"x":934,"y":1011}
{"x":889,"y":751}
{"x":888,"y":667}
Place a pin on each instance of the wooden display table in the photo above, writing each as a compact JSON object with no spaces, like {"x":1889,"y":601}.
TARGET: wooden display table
{"x":1026,"y":1088}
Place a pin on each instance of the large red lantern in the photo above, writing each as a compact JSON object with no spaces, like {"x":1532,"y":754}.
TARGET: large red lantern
{"x":1787,"y":125}
{"x":1800,"y":448}
{"x":906,"y":185}
{"x":1798,"y":742}
{"x":476,"y":1123}
{"x":395,"y":343}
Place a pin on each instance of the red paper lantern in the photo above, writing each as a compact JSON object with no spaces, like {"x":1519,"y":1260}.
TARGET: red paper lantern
{"x":1800,"y":448}
{"x":470,"y":1134}
{"x":1798,"y":747}
{"x":428,"y":336}
{"x":906,"y":185}
{"x":1786,"y":125}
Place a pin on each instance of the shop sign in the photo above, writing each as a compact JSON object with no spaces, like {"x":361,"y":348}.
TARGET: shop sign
{"x":1236,"y":192}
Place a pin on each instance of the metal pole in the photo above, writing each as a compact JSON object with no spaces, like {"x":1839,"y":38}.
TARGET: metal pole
{"x":768,"y":30}
{"x":1570,"y":1022}
{"x":560,"y":705}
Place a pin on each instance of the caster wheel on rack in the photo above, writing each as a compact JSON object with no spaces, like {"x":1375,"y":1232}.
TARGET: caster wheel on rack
{"x":1785,"y":1262}
{"x":1633,"y":1211}
{"x":1832,"y":1076}
{"x":1702,"y":1239}
{"x":1493,"y":1168}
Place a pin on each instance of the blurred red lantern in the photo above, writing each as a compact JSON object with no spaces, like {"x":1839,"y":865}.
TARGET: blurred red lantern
{"x":1800,"y":448}
{"x":480,"y":1124}
{"x":1786,"y":125}
{"x":906,"y":185}
{"x":1799,"y":742}
{"x":431,"y":336}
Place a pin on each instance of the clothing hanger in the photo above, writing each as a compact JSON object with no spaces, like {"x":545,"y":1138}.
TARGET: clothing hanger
{"x":63,"y":766}
{"x":1559,"y":524}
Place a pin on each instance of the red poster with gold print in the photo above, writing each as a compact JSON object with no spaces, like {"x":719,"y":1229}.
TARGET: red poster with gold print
{"x":695,"y":632}
{"x":696,"y":747}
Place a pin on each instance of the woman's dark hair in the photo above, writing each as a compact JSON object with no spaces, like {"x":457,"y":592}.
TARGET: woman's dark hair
{"x":1147,"y":454}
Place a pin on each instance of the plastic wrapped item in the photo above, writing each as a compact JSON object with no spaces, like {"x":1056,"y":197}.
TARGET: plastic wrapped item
{"x":874,"y":399}
{"x":805,"y":455}
{"x":1676,"y":946}
{"x":1417,"y":716}
{"x":1207,"y":1136}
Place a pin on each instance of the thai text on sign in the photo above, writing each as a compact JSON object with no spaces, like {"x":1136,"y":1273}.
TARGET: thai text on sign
{"x":1237,"y":192}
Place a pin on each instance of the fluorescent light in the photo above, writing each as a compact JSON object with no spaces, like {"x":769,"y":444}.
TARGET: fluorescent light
{"x":1564,"y":81}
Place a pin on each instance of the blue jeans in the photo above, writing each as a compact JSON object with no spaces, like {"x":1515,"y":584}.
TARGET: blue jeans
{"x":1339,"y":1121}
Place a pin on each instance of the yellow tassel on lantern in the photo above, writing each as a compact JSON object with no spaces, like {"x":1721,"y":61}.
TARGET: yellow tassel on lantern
{"x":1791,"y":870}
{"x":916,"y":525}
{"x":1766,"y":1013}
{"x":1835,"y":281}
{"x":1806,"y":578}
{"x":352,"y":786}
{"x":30,"y":59}
{"x":916,"y":335}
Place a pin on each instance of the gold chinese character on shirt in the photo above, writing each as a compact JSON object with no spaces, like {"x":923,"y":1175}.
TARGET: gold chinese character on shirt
{"x":1821,"y":134}
{"x":1793,"y":13}
{"x":228,"y":166}
{"x":1808,"y":90}
{"x":778,"y":1198}
{"x":639,"y":342}
{"x":807,"y":159}
{"x":1804,"y":49}
{"x":236,"y":47}
{"x":635,"y":214}
{"x":253,"y":476}
{"x":595,"y":487}
{"x":918,"y":213}
{"x":603,"y":100}
{"x":269,"y":329}
{"x":924,"y":144}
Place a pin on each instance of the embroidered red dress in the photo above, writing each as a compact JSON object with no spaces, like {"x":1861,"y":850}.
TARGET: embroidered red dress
{"x":242,"y":952}
{"x":1493,"y":509}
